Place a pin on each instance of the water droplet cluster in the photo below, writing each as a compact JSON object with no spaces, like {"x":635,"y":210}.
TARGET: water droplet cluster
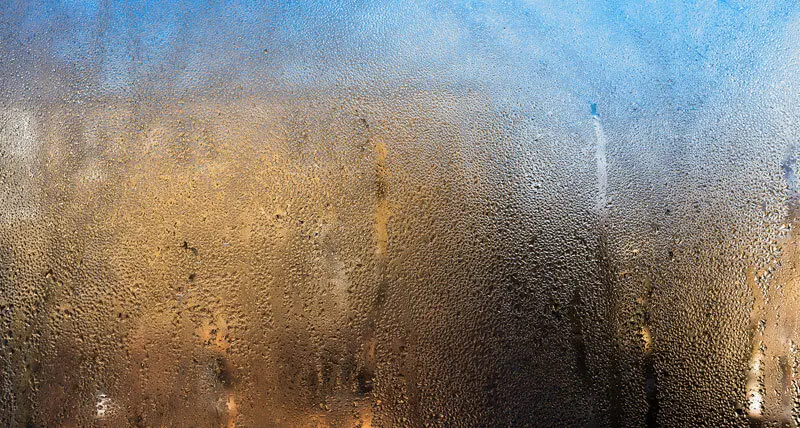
{"x":412,"y":214}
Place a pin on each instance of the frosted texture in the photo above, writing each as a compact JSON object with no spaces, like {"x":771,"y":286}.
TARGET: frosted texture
{"x":538,"y":213}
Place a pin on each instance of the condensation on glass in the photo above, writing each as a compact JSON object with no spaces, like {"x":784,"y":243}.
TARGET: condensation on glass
{"x":399,"y":213}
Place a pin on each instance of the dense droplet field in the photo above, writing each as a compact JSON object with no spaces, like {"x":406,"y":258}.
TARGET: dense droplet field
{"x":375,"y":214}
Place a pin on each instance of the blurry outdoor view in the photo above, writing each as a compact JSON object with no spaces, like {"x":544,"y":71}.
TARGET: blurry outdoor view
{"x":399,"y":213}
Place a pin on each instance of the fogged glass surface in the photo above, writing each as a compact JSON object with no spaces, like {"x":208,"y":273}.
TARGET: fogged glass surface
{"x":399,"y":214}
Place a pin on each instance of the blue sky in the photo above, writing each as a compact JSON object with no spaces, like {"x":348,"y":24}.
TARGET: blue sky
{"x":636,"y":51}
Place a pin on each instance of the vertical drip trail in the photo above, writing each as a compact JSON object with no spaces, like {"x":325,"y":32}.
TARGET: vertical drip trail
{"x":771,"y":381}
{"x":382,"y":213}
{"x":772,"y":378}
{"x":606,"y":268}
{"x":650,"y":379}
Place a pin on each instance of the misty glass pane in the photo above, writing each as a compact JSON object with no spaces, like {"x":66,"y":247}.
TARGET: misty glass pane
{"x":399,"y":213}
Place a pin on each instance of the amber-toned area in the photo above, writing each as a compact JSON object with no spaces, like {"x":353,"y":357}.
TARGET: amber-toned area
{"x":255,"y":264}
{"x":399,"y":214}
